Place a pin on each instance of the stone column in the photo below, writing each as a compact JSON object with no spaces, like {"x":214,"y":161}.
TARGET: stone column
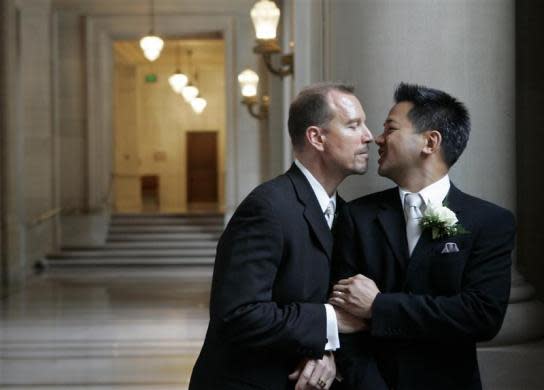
{"x":3,"y":127}
{"x":13,"y":243}
{"x":464,"y":47}
{"x":530,"y":137}
{"x":27,"y":139}
{"x":36,"y":125}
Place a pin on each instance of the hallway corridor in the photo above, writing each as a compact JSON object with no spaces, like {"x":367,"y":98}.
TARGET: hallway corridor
{"x":104,"y":328}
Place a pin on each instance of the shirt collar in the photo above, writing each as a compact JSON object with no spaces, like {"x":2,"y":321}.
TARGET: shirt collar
{"x":434,"y":193}
{"x":320,"y":193}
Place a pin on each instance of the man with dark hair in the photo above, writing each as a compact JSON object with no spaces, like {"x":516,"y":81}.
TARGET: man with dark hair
{"x":426,"y":265}
{"x":270,"y":326}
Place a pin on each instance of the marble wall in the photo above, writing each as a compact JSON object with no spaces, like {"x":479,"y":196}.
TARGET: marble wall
{"x":463,"y":47}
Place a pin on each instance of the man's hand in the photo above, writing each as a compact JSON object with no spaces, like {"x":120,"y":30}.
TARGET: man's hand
{"x":348,"y":323}
{"x":355,"y":295}
{"x":315,"y":373}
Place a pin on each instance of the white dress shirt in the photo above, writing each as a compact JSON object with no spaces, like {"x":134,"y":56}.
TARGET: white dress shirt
{"x":432,"y":194}
{"x":333,"y":340}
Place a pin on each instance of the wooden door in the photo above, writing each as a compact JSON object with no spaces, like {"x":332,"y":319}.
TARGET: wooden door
{"x":202,"y":167}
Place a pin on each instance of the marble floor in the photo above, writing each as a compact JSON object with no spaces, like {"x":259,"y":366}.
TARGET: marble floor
{"x":141,"y":328}
{"x":135,"y":328}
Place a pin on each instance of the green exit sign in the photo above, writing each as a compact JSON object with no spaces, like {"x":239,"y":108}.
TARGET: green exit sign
{"x":151,"y":78}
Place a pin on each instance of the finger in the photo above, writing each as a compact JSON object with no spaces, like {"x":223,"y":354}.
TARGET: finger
{"x":339,"y":302}
{"x":344,"y":281}
{"x":341,"y":287}
{"x":338,"y":293}
{"x":329,"y":371}
{"x":294,"y":375}
{"x":305,"y":375}
{"x":317,"y":375}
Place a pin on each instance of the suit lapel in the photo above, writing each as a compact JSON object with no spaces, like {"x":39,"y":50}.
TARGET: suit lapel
{"x":423,"y":246}
{"x":391,"y":219}
{"x":312,"y":211}
{"x":455,"y":200}
{"x":340,"y":203}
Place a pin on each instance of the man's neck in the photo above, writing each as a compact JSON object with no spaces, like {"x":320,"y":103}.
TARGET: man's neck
{"x":328,"y":180}
{"x":415,"y":181}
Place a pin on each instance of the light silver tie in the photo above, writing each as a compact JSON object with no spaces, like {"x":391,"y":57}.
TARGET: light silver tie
{"x":412,"y":212}
{"x":329,"y":214}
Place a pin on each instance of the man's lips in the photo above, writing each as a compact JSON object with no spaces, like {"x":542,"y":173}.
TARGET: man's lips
{"x":381,"y":155}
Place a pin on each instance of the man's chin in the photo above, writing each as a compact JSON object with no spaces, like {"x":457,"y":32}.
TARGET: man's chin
{"x":359,"y":170}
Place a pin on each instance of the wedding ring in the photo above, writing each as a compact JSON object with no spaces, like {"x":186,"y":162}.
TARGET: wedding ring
{"x":321,"y":383}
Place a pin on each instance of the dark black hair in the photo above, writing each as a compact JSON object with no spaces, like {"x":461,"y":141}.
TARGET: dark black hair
{"x":436,"y":110}
{"x":311,"y":108}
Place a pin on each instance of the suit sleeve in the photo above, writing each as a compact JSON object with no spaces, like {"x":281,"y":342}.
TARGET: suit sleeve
{"x":475,"y":313}
{"x":249,"y":255}
{"x":355,"y":359}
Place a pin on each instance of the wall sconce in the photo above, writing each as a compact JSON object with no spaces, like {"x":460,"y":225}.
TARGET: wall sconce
{"x":265,"y":16}
{"x":249,"y":80}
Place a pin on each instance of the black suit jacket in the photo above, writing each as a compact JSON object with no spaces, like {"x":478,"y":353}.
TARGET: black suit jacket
{"x":433,"y":306}
{"x":271,"y":278}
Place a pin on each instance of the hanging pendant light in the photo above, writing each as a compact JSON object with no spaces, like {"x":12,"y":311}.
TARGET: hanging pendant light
{"x":198,"y":104}
{"x":151,"y":44}
{"x":190,"y":91}
{"x":178,"y":80}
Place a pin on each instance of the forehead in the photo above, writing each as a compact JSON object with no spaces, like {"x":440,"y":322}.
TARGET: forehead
{"x":399,"y":113}
{"x":345,"y":104}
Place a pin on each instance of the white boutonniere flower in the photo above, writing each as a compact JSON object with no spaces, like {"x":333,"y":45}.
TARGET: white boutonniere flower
{"x":442,"y":221}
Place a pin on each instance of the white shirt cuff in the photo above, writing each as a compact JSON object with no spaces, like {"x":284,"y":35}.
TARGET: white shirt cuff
{"x":333,"y":340}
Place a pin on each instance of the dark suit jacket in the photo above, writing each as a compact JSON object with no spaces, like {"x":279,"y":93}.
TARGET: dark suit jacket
{"x":271,"y":278}
{"x":433,"y":307}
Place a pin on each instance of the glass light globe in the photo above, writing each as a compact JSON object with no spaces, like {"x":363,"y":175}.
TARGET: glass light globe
{"x":199,"y":104}
{"x":189,"y":93}
{"x":152,"y":46}
{"x":178,"y":81}
{"x":265,"y":16}
{"x":248,"y":80}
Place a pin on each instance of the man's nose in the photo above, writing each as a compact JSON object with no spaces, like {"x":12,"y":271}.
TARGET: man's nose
{"x":367,"y":135}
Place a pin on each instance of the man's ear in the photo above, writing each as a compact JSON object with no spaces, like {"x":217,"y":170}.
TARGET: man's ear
{"x":433,"y":142}
{"x":315,"y":137}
